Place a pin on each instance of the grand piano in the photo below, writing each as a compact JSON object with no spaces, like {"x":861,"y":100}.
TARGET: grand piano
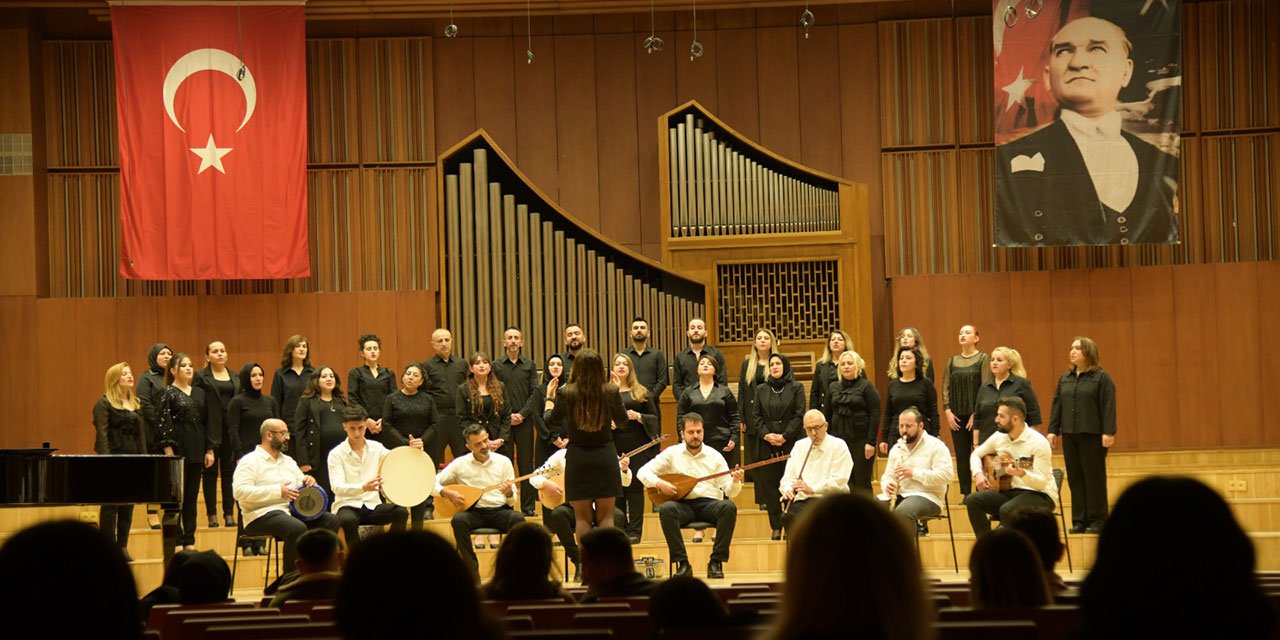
{"x":38,"y":478}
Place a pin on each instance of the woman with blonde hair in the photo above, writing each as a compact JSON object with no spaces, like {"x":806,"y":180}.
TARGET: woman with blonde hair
{"x":853,"y":411}
{"x":1008,"y":378}
{"x":754,"y":371}
{"x":887,"y":600}
{"x":911,"y":338}
{"x":118,"y":424}
{"x":641,"y":427}
{"x":826,"y":370}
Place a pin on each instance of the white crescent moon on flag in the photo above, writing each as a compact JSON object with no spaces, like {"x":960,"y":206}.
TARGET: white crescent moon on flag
{"x":209,"y":60}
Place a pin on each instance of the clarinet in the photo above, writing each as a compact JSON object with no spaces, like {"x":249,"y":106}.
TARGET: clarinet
{"x":893,"y":494}
{"x":786,"y":504}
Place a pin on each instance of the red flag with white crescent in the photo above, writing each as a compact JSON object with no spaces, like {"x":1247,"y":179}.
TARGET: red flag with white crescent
{"x":211,"y":106}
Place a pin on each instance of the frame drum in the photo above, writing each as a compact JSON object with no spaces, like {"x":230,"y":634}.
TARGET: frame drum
{"x":408,"y":476}
{"x":310,"y":503}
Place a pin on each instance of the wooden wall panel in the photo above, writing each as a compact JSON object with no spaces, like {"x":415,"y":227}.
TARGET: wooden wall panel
{"x":495,"y":91}
{"x":618,"y":138}
{"x":20,"y":333}
{"x":375,"y":312}
{"x":217,"y":320}
{"x":136,"y":329}
{"x":1031,"y":298}
{"x":737,"y":87}
{"x":578,"y":133}
{"x":819,"y":88}
{"x":298,"y":314}
{"x":696,"y":79}
{"x":777,"y":63}
{"x":1268,"y":351}
{"x":1240,"y":392}
{"x":260,"y":333}
{"x":64,"y":409}
{"x":1196,"y":341}
{"x":994,"y":319}
{"x":1111,"y":314}
{"x":1154,"y":359}
{"x":536,"y":116}
{"x":177,"y":325}
{"x":415,"y":320}
{"x":455,"y":86}
{"x":656,"y":74}
{"x":336,"y":330}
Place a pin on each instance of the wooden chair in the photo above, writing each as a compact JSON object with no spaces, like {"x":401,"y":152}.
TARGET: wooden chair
{"x":265,"y":631}
{"x":171,"y":626}
{"x":196,"y":628}
{"x":322,"y":613}
{"x":272,"y":544}
{"x":303,"y":607}
{"x":628,"y":625}
{"x":158,"y":613}
{"x":1021,"y":629}
{"x":560,"y":616}
{"x":951,"y":529}
{"x":1058,"y":475}
{"x":518,"y":623}
{"x":636,"y":603}
{"x":1054,"y":622}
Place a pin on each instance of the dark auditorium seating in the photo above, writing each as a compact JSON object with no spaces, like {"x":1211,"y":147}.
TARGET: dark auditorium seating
{"x":637,"y":603}
{"x":572,"y":634}
{"x":195,"y":628}
{"x":303,"y":607}
{"x":263,"y":631}
{"x":322,"y":613}
{"x":1054,"y":622}
{"x":159,"y":611}
{"x":171,"y":625}
{"x":626,"y":625}
{"x":560,"y":616}
{"x":518,"y":623}
{"x":717,"y":633}
{"x":1022,"y":629}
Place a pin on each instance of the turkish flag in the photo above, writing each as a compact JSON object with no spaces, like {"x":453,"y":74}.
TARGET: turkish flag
{"x":212,"y":113}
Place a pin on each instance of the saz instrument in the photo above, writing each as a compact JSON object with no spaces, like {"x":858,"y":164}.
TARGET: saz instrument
{"x":684,"y":484}
{"x":471,"y":495}
{"x":995,"y":468}
{"x":551,"y":501}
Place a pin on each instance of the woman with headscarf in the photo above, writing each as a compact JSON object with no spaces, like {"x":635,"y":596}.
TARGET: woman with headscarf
{"x":150,"y":383}
{"x":553,"y":379}
{"x":778,"y":421}
{"x":249,"y":409}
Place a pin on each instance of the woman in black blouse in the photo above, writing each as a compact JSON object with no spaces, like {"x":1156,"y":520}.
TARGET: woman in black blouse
{"x":853,"y":411}
{"x":292,"y":378}
{"x":755,"y":367}
{"x":249,"y":409}
{"x":553,"y":379}
{"x":778,"y":422}
{"x":481,"y":400}
{"x":220,"y":386}
{"x":409,"y":419}
{"x":717,"y":406}
{"x":118,"y":424}
{"x":369,"y":384}
{"x":911,"y":337}
{"x":641,"y":427}
{"x":908,"y":389}
{"x":183,"y":429}
{"x":1008,"y":378}
{"x":1084,"y":414}
{"x":319,"y":425}
{"x":826,"y":371}
{"x":963,"y":375}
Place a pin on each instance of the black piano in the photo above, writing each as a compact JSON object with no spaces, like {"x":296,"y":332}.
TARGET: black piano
{"x":38,"y":478}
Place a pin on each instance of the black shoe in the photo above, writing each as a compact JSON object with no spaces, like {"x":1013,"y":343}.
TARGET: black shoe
{"x":429,"y":514}
{"x":229,"y":522}
{"x":127,"y":557}
{"x":1079,"y":527}
{"x":528,"y":513}
{"x":577,"y":572}
{"x":922,"y":528}
{"x":249,"y":551}
{"x":213,"y":521}
{"x":1094,"y":527}
{"x":714,"y":570}
{"x":776,"y":535}
{"x":682,"y":569}
{"x":634,"y":539}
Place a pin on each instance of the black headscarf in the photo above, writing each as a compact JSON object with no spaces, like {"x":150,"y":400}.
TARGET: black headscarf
{"x":155,"y":353}
{"x":546,"y":368}
{"x":246,"y":387}
{"x":779,"y":383}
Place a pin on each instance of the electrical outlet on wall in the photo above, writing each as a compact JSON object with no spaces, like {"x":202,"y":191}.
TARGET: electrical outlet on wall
{"x":1237,"y":485}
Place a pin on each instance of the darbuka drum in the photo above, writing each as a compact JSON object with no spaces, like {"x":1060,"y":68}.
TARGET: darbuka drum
{"x":310,"y":503}
{"x":408,"y":475}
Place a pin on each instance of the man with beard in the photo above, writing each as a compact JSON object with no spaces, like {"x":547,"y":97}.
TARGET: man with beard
{"x":651,"y":364}
{"x":1023,"y":454}
{"x":918,"y":472}
{"x":264,"y":484}
{"x":575,"y":339}
{"x":519,"y":378}
{"x":684,"y":373}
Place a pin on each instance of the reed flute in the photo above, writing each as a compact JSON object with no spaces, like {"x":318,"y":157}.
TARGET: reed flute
{"x":893,"y":493}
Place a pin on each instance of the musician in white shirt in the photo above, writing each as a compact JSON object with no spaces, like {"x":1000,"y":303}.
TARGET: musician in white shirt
{"x":918,"y":472}
{"x":1031,"y":488}
{"x":561,"y":520}
{"x":480,"y":468}
{"x":708,"y":501}
{"x":265,"y":482}
{"x":827,"y":466}
{"x":353,"y":476}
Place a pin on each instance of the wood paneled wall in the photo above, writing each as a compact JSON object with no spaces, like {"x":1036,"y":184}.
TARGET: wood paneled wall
{"x":62,"y":347}
{"x":1187,"y":345}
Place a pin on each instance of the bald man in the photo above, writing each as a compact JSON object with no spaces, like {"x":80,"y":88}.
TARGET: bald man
{"x":827,"y":465}
{"x":1083,"y":180}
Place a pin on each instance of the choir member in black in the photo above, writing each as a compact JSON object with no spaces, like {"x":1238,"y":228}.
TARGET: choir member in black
{"x":220,"y":385}
{"x":150,"y":384}
{"x":182,"y":429}
{"x":481,"y":400}
{"x":292,"y":378}
{"x":716,"y":404}
{"x":369,"y":384}
{"x":444,"y":373}
{"x":249,"y":409}
{"x":755,"y":366}
{"x":1084,"y":414}
{"x":575,"y":340}
{"x":319,"y":425}
{"x":410,"y":415}
{"x":1008,"y":378}
{"x":650,"y":363}
{"x":853,"y":411}
{"x":778,"y":422}
{"x":519,"y":378}
{"x":551,"y":437}
{"x":583,"y":409}
{"x":962,"y":377}
{"x":641,"y":427}
{"x":825,"y":371}
{"x":910,"y":337}
{"x":684,"y":370}
{"x":118,"y":423}
{"x":909,"y":389}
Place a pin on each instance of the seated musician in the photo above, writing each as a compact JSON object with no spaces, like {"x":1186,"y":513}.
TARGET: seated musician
{"x":827,"y":466}
{"x":561,"y":520}
{"x":708,"y":501}
{"x":918,"y":472}
{"x":480,"y":468}
{"x":353,"y":474}
{"x":1025,"y":457}
{"x":265,"y":482}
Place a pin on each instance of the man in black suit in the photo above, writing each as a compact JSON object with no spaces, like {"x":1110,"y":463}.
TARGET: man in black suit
{"x":1082,"y":180}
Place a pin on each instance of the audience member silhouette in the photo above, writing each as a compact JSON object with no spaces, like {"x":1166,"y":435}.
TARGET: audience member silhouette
{"x":66,"y":579}
{"x":522,"y":569}
{"x":1005,"y":572}
{"x":1173,"y":563}
{"x":1041,"y":527}
{"x":167,"y":592}
{"x":204,"y":578}
{"x":320,"y":558}
{"x":608,"y":568}
{"x":685,"y":602}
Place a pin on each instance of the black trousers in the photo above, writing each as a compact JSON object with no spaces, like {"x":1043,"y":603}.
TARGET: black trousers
{"x":793,"y":513}
{"x":448,"y":433}
{"x":115,"y":520}
{"x":191,"y":473}
{"x":286,"y":527}
{"x":677,"y":513}
{"x":561,"y":521}
{"x":1001,"y":505}
{"x":463,"y":523}
{"x":767,"y":479}
{"x":350,"y":519}
{"x":962,"y":443}
{"x":226,"y":462}
{"x":860,"y":476}
{"x":1086,"y":460}
{"x":524,"y":438}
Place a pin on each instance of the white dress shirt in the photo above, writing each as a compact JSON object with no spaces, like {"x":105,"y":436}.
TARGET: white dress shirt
{"x":1029,"y":443}
{"x":466,"y":470}
{"x":930,"y":465}
{"x":257,"y":481}
{"x":677,"y":459}
{"x":348,"y":471}
{"x":555,"y":466}
{"x":1111,"y":161}
{"x":827,"y":471}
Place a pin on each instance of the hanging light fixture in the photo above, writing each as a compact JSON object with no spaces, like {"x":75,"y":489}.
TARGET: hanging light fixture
{"x":695,"y":49}
{"x":528,"y":28}
{"x":451,"y":29}
{"x":653,"y":42}
{"x":807,"y":20}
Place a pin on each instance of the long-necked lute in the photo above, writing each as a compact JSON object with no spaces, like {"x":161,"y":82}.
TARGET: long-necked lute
{"x":471,"y":495}
{"x":551,"y":500}
{"x":684,"y":484}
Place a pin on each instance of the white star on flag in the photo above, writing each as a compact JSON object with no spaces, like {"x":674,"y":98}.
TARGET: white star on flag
{"x":210,"y":156}
{"x":1017,"y":90}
